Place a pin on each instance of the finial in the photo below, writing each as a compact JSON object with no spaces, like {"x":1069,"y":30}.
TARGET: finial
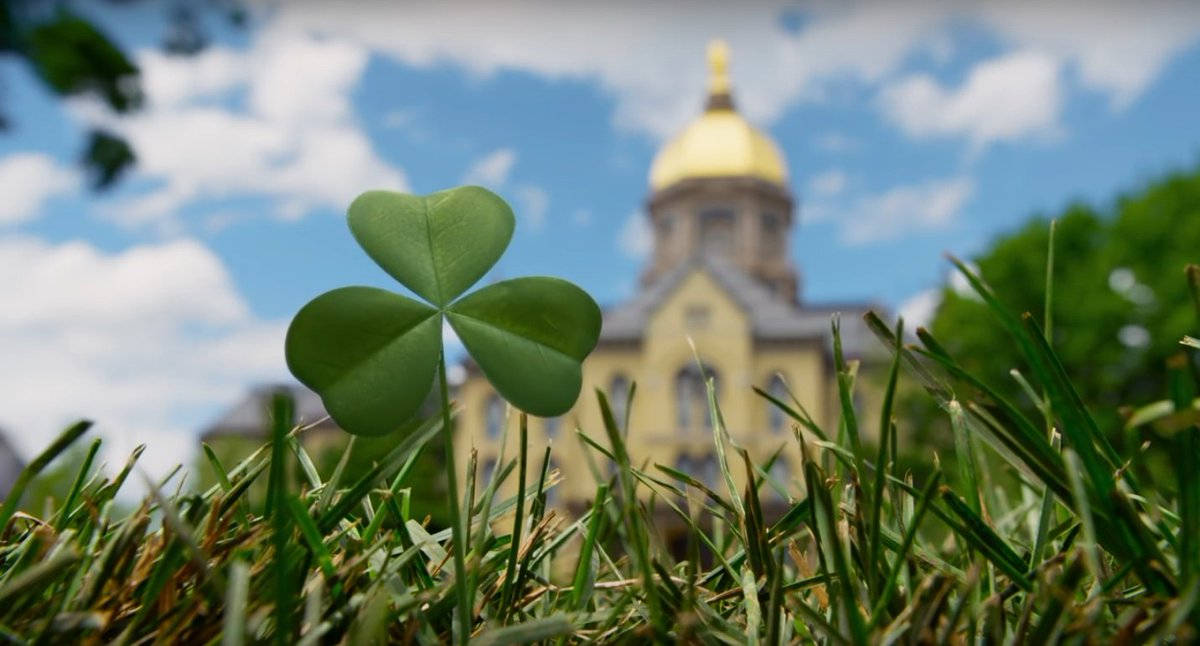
{"x":718,"y":67}
{"x":719,"y":97}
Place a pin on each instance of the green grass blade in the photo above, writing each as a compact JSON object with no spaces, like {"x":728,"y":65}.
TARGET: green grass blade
{"x":233,"y":628}
{"x":635,"y":531}
{"x":964,"y":453}
{"x":312,"y":536}
{"x":581,"y":587}
{"x":282,"y":416}
{"x":800,"y":416}
{"x":981,"y":536}
{"x":458,"y":532}
{"x":76,"y":485}
{"x":336,"y":478}
{"x":825,"y":530}
{"x":361,"y":487}
{"x":35,"y":466}
{"x":510,"y":571}
{"x":882,"y":461}
{"x":536,"y":630}
{"x":889,"y":584}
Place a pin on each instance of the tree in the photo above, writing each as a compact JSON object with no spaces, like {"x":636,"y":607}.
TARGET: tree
{"x":72,"y":57}
{"x":1120,"y":297}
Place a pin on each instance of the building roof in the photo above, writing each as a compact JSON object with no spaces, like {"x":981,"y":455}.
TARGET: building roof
{"x":11,"y":464}
{"x":720,"y":142}
{"x":250,"y":417}
{"x":771,"y":318}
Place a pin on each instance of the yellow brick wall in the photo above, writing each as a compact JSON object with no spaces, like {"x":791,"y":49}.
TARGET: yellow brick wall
{"x":724,"y":343}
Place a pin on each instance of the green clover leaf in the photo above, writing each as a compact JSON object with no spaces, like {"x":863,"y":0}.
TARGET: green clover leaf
{"x":372,"y":354}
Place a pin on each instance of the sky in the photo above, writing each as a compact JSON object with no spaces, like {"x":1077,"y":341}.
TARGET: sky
{"x":909,"y":130}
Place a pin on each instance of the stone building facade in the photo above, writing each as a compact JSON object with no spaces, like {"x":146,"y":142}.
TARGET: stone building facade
{"x":720,"y":279}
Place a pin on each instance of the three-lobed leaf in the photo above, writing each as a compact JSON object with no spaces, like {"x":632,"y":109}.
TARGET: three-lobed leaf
{"x":369,"y":353}
{"x":437,"y":245}
{"x":529,"y":335}
{"x":372,"y":355}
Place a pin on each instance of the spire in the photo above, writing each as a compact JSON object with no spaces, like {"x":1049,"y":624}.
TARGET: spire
{"x":719,"y":97}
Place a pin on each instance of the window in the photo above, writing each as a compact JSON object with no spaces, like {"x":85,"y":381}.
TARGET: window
{"x":487,"y":470}
{"x":662,"y":227}
{"x":772,"y":235}
{"x":708,"y":470}
{"x":776,"y":418}
{"x":684,"y":463}
{"x":618,"y":394}
{"x":493,"y":416}
{"x":553,"y":494}
{"x":781,"y":475}
{"x":716,"y":232}
{"x":551,"y":425}
{"x":695,"y":316}
{"x":702,"y":468}
{"x":691,"y":398}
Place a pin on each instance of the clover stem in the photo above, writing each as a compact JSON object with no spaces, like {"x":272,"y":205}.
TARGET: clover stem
{"x":456,"y":527}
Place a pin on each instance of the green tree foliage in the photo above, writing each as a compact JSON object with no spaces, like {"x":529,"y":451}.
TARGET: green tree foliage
{"x":1120,"y":300}
{"x":72,"y":57}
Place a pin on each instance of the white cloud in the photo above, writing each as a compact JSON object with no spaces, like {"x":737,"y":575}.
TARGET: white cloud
{"x":657,"y":82}
{"x":296,"y":140}
{"x":929,"y":206}
{"x":636,"y":239}
{"x":1117,"y":47}
{"x":829,"y":183}
{"x":491,"y":170}
{"x":149,"y":342}
{"x":27,"y":181}
{"x":1005,"y":98}
{"x":918,"y":310}
{"x":582,"y":217}
{"x":534,"y":202}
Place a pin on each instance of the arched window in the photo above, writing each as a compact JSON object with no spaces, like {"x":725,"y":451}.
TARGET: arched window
{"x":618,"y":394}
{"x":772,"y":235}
{"x":683,"y":464}
{"x":708,"y":469}
{"x":691,"y":398}
{"x":487,"y":470}
{"x":702,"y":468}
{"x":781,"y":473}
{"x":493,"y":416}
{"x":716,"y":232}
{"x":554,"y":494}
{"x":776,"y":418}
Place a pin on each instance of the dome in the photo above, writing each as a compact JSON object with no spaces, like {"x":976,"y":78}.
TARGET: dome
{"x":720,"y":143}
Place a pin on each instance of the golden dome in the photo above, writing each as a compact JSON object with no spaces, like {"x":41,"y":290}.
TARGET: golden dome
{"x":721,"y":143}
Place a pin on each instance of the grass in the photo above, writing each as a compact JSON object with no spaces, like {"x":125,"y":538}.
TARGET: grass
{"x":1083,"y":548}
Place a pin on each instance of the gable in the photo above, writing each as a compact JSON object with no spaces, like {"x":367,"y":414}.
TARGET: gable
{"x":701,"y":307}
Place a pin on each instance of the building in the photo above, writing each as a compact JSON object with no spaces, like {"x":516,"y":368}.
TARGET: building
{"x":722,"y":215}
{"x":11,"y":464}
{"x":249,"y":419}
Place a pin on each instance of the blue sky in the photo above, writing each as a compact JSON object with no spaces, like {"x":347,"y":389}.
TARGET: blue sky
{"x":909,"y":131}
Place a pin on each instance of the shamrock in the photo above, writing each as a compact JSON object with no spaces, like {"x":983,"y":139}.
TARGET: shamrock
{"x":372,"y":354}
